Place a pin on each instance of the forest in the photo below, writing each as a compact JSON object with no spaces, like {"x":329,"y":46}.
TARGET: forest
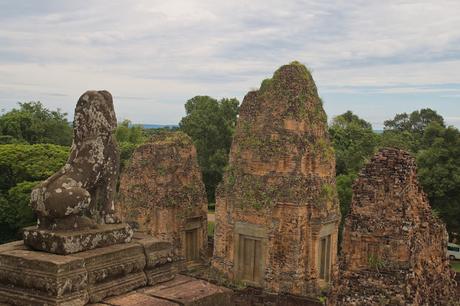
{"x":35,"y":143}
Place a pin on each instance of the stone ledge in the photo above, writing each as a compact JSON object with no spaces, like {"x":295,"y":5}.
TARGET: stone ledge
{"x":189,"y":291}
{"x":70,"y":242}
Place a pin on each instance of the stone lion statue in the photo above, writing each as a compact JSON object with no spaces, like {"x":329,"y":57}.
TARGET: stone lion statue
{"x":81,"y":194}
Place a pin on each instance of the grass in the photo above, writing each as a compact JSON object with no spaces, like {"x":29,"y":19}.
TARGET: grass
{"x":454,"y":264}
{"x":210,"y":228}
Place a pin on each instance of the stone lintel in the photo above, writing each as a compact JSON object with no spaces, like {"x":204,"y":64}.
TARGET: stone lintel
{"x":69,"y":242}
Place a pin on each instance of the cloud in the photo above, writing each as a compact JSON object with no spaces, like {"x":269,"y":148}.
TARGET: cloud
{"x":165,"y":52}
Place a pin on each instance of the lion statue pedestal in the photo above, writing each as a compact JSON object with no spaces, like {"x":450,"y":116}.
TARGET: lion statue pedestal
{"x":79,"y":252}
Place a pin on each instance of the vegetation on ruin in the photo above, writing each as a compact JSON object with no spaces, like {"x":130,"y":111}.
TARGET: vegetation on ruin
{"x":375,"y":262}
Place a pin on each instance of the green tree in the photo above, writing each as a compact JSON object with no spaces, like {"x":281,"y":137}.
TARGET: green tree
{"x":354,"y":142}
{"x":211,"y":123}
{"x":22,"y":166}
{"x":405,"y":131}
{"x":33,"y":123}
{"x":129,"y":136}
{"x":439,"y":171}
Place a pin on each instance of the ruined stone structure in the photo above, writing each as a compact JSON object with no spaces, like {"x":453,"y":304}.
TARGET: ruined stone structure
{"x":162,"y":194}
{"x":88,"y":255}
{"x":277,"y":212}
{"x":394,"y":247}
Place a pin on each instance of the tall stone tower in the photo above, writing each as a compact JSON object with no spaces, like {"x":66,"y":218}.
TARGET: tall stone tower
{"x":394,"y":248}
{"x":162,"y":194}
{"x":277,"y":212}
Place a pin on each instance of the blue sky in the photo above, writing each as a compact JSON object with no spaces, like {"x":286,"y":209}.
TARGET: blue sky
{"x":376,"y":58}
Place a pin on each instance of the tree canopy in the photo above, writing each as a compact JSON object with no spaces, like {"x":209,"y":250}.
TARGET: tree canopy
{"x":211,"y":123}
{"x":33,"y":123}
{"x":22,"y":167}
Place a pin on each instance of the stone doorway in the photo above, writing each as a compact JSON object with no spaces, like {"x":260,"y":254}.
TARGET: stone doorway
{"x":325,"y":258}
{"x":250,"y":254}
{"x":192,"y":252}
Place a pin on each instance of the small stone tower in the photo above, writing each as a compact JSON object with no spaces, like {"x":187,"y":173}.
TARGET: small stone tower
{"x":162,"y":194}
{"x":394,"y":247}
{"x":277,"y":212}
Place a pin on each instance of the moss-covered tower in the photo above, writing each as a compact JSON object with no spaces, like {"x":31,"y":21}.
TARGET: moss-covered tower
{"x":277,"y":211}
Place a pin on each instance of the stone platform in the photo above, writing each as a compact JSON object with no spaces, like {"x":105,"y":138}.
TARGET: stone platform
{"x":70,"y":242}
{"x":29,"y":277}
{"x":182,"y":290}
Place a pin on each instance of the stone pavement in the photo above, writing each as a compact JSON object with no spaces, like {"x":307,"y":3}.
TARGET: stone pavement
{"x":182,"y":290}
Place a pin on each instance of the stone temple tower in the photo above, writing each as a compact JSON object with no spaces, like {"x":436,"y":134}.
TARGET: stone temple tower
{"x":394,"y":247}
{"x":277,"y":212}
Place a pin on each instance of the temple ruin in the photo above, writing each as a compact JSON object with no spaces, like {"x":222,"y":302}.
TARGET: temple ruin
{"x":162,"y":195}
{"x":394,"y":247}
{"x":79,"y":252}
{"x":277,"y":212}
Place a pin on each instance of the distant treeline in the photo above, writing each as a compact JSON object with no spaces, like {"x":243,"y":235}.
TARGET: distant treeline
{"x":34,"y":143}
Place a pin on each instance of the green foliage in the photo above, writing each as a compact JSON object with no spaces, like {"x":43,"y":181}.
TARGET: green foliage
{"x":15,"y":212}
{"x":438,"y":162}
{"x":354,"y":142}
{"x":22,"y":162}
{"x":344,"y":190}
{"x":129,"y":137}
{"x":375,"y":262}
{"x":211,"y":226}
{"x":22,"y":166}
{"x":416,"y":122}
{"x":455,"y":265}
{"x":210,"y":124}
{"x":32,"y":123}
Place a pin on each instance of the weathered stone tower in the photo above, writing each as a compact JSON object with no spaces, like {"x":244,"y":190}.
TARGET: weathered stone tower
{"x":277,"y":212}
{"x":162,"y":194}
{"x":394,"y":248}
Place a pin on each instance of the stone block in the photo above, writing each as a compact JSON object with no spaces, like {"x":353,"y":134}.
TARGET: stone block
{"x":138,"y":299}
{"x":68,"y":242}
{"x":159,"y":257}
{"x":114,"y":270}
{"x":189,"y":291}
{"x":14,"y":245}
{"x":36,"y":278}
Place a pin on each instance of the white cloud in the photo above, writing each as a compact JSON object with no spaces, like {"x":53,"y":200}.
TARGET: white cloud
{"x":165,"y":52}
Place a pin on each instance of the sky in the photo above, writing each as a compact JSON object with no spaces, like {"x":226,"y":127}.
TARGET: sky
{"x":376,"y":58}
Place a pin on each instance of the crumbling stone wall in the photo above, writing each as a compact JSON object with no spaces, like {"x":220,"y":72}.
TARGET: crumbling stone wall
{"x":394,"y":247}
{"x":162,"y":194}
{"x":278,"y":196}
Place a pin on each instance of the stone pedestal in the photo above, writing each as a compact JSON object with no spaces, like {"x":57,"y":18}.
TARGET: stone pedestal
{"x":159,"y":258}
{"x":36,"y":278}
{"x":69,"y":242}
{"x":114,"y":270}
{"x":30,"y":277}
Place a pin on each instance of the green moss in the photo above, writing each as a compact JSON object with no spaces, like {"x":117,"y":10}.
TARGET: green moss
{"x":265,"y":84}
{"x":211,"y":226}
{"x":375,"y":262}
{"x":328,"y":193}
